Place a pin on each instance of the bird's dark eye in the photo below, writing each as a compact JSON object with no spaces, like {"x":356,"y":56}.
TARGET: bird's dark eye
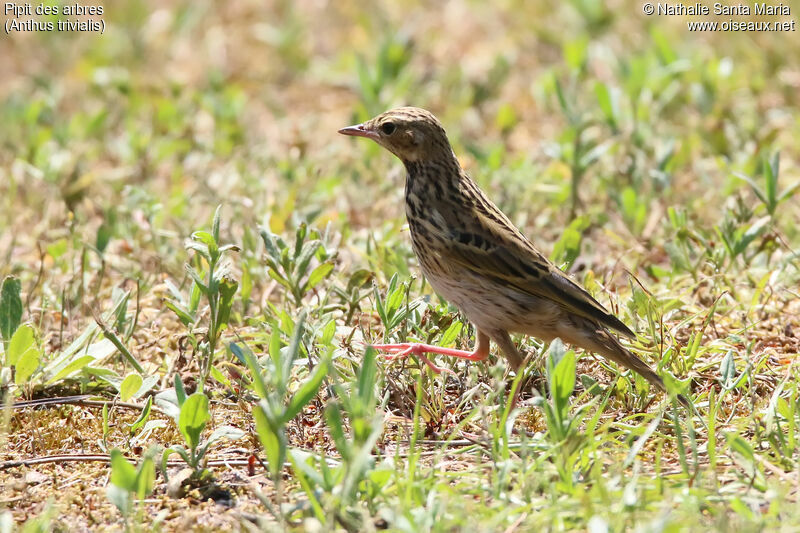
{"x":388,"y":128}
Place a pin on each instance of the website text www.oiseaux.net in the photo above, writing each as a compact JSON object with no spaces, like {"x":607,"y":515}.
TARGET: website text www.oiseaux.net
{"x":740,"y":25}
{"x":718,"y":10}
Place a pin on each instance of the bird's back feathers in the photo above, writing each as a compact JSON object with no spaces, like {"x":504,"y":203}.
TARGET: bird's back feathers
{"x":480,"y":238}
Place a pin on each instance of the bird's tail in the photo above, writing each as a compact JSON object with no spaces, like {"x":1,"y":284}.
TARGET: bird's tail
{"x":604,"y":343}
{"x":608,"y":346}
{"x":597,"y":339}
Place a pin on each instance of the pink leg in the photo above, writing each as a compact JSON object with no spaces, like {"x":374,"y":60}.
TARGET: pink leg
{"x":401,"y":351}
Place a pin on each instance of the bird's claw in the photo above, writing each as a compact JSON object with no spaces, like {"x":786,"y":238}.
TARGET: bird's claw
{"x":401,"y":351}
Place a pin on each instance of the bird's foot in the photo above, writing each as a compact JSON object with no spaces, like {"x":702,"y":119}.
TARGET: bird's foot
{"x":403,"y":350}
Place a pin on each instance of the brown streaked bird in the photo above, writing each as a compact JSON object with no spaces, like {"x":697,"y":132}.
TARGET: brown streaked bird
{"x":473,"y":255}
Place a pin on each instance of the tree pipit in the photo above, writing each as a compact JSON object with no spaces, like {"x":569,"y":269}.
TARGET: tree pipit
{"x":473,"y":255}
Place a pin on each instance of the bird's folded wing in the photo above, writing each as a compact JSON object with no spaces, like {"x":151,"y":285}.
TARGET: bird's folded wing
{"x":521,"y":267}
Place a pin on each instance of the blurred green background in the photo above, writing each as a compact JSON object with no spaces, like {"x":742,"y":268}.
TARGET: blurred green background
{"x":183,"y":105}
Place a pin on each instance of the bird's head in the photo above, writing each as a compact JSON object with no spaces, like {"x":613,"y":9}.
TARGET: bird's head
{"x":410,"y":133}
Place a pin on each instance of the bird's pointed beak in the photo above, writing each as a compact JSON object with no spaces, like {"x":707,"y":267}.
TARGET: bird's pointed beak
{"x":360,"y":130}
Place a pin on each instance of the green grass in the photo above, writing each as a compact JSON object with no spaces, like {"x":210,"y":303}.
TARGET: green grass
{"x":182,"y":229}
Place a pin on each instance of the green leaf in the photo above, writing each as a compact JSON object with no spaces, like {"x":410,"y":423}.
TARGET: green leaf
{"x":608,"y":103}
{"x":634,"y":210}
{"x":365,"y":81}
{"x":328,"y":332}
{"x":554,"y":354}
{"x":381,"y":477}
{"x":123,"y":473}
{"x":300,"y":469}
{"x":772,"y":170}
{"x":277,"y":276}
{"x":246,"y":355}
{"x":751,"y":234}
{"x":148,"y":383}
{"x":10,"y":307}
{"x":23,"y":354}
{"x":294,"y":348}
{"x":180,"y":391}
{"x":175,"y":448}
{"x":200,"y":248}
{"x":272,"y":439}
{"x":738,"y":445}
{"x":26,"y":366}
{"x":561,"y":375}
{"x":379,"y":306}
{"x":366,"y":378}
{"x":56,"y":367}
{"x":562,"y":101}
{"x":194,"y":299}
{"x":225,"y":432}
{"x":394,"y":301}
{"x":193,"y":418}
{"x":143,"y":416}
{"x":145,"y":477}
{"x":271,"y":245}
{"x":575,"y":52}
{"x":506,"y":118}
{"x":299,"y":237}
{"x":104,"y":234}
{"x":227,"y":290}
{"x":307,"y":391}
{"x":304,"y":258}
{"x":664,"y":46}
{"x":72,"y":367}
{"x":568,"y":247}
{"x":24,"y":339}
{"x":590,"y":385}
{"x":232,"y":247}
{"x":120,"y":346}
{"x":147,"y":430}
{"x":564,"y":378}
{"x":275,"y":355}
{"x":215,"y":223}
{"x":208,"y":240}
{"x":449,"y":336}
{"x":305,"y":462}
{"x":58,"y":248}
{"x":118,"y":496}
{"x":333,"y":416}
{"x":727,"y":370}
{"x":198,"y":281}
{"x":219,"y":376}
{"x":595,"y":153}
{"x":317,"y":275}
{"x":129,"y":386}
{"x":789,"y":191}
{"x":756,"y":189}
{"x":183,"y":314}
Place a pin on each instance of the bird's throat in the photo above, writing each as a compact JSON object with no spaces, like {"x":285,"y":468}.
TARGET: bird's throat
{"x":433,"y":179}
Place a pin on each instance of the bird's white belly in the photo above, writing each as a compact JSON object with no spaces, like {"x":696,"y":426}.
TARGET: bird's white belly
{"x":478,"y":298}
{"x":489,"y":305}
